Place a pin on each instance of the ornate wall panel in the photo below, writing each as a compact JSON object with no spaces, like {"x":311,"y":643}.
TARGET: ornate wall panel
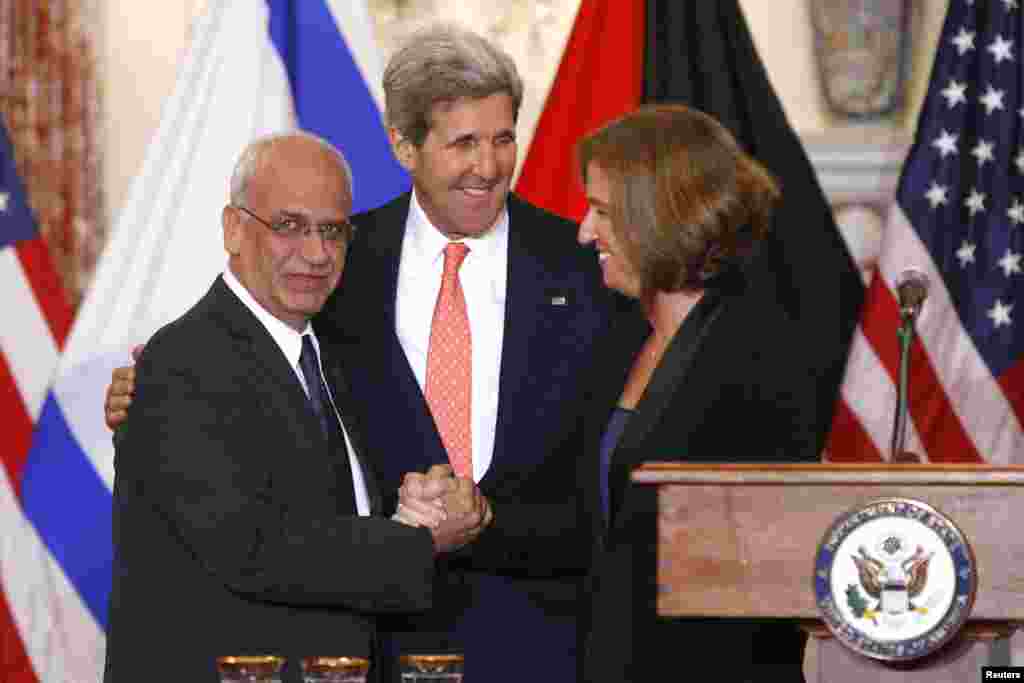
{"x":49,"y":98}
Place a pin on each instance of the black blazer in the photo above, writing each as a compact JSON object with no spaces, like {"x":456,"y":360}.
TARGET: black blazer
{"x":228,"y":538}
{"x":729,"y":390}
{"x":516,"y":589}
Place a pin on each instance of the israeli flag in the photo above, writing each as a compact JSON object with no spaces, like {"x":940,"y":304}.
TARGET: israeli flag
{"x":252,"y":68}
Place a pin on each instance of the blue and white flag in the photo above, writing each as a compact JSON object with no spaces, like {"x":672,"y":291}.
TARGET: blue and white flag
{"x":252,"y":68}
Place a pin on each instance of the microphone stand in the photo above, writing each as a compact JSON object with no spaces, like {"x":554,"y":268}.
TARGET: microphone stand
{"x":905,"y":334}
{"x":911,"y":291}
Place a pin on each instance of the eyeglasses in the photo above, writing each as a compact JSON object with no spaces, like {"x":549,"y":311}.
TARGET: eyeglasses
{"x":293,"y":227}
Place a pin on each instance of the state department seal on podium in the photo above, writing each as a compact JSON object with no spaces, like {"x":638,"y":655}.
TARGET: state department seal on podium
{"x":895,"y":579}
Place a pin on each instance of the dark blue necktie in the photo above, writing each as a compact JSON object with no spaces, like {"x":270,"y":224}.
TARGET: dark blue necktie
{"x":319,"y":399}
{"x":320,"y":402}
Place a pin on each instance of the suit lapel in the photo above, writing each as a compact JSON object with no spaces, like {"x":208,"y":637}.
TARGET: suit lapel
{"x":528,"y":312}
{"x":343,"y":400}
{"x":377,"y":290}
{"x":668,"y":377}
{"x":370,"y":290}
{"x":276,"y":380}
{"x":257,"y":348}
{"x":627,"y":332}
{"x":524,"y":287}
{"x":377,"y":263}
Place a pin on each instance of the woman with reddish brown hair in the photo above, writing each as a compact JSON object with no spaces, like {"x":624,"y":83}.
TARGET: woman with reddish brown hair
{"x":676,"y":213}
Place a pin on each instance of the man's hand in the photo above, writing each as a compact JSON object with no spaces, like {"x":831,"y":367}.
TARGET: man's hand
{"x":465,"y":498}
{"x":119,"y":392}
{"x":454,"y":509}
{"x":419,"y":500}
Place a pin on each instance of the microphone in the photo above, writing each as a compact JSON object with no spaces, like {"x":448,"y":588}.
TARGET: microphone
{"x":911,"y":292}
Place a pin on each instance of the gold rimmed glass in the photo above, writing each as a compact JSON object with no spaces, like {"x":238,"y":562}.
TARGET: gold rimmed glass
{"x":431,"y":668}
{"x":334,"y":669}
{"x":250,"y":669}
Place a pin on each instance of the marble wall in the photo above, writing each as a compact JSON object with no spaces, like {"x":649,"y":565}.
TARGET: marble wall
{"x":533,"y":32}
{"x":858,"y":163}
{"x":143,"y":42}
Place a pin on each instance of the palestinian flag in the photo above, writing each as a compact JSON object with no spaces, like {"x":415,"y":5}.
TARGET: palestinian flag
{"x":701,"y":54}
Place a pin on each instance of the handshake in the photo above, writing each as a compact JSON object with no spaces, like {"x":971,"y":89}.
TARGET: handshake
{"x":452,"y":508}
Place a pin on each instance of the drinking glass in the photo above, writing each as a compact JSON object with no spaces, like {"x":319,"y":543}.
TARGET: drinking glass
{"x":250,"y":669}
{"x":431,"y":668}
{"x":334,"y":669}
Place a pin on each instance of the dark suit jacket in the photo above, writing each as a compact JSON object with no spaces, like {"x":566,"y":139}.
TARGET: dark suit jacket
{"x":515,"y":589}
{"x":227,"y":531}
{"x":730,"y":390}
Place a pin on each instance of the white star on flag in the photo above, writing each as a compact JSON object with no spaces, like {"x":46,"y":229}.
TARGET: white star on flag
{"x":992,"y":99}
{"x":983,"y":152}
{"x":4,"y":198}
{"x":1010,"y":263}
{"x":1016,"y":212}
{"x":976,"y":201}
{"x":936,"y":194}
{"x":955,"y":93}
{"x":1000,"y":313}
{"x":1000,"y":49}
{"x":945,"y":143}
{"x":964,"y":41}
{"x":966,"y":253}
{"x":965,"y":405}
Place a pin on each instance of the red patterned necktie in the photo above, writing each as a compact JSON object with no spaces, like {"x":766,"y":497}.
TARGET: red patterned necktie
{"x":449,"y":388}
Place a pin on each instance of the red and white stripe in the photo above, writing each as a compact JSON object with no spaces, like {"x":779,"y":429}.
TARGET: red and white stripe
{"x":959,"y":411}
{"x":35,"y":326}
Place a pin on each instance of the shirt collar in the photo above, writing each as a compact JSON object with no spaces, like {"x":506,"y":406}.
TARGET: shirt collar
{"x":425,"y":243}
{"x":287,"y":338}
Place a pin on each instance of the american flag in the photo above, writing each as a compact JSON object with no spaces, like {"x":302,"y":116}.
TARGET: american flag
{"x":34,"y":326}
{"x":959,"y":219}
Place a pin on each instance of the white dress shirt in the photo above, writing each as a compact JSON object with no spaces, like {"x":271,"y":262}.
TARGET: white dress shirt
{"x":290,"y":343}
{"x":483,"y":275}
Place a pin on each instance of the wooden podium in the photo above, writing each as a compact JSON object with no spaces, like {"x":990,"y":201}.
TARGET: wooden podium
{"x":740,"y":540}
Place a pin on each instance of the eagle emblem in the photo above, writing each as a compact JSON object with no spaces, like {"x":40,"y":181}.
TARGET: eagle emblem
{"x":894,"y":577}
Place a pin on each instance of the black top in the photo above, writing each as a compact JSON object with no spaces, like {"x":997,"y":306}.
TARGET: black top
{"x":612,"y":434}
{"x":731,"y":387}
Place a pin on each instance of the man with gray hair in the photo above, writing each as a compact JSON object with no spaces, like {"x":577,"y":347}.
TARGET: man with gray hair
{"x":466,"y":323}
{"x":477,"y":319}
{"x":244,"y":499}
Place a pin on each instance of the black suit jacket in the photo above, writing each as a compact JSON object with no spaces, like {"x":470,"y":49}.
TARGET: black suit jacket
{"x":730,"y":388}
{"x":514,"y":590}
{"x":228,"y":538}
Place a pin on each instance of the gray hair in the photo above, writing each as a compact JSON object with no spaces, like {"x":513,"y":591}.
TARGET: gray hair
{"x":444,"y":63}
{"x":251,"y":160}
